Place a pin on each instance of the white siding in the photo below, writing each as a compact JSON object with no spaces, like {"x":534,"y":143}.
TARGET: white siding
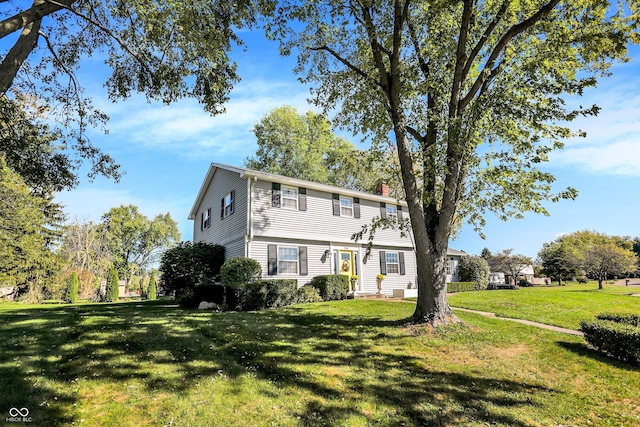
{"x":317,"y":222}
{"x":317,"y":263}
{"x":235,"y":248}
{"x":234,"y":226}
{"x":392,"y":281}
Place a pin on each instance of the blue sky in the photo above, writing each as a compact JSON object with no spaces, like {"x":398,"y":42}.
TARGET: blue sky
{"x":166,"y":151}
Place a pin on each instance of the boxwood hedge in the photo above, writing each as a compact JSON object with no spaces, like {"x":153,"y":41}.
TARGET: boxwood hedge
{"x":462,"y":286}
{"x":615,"y":335}
{"x":332,"y":286}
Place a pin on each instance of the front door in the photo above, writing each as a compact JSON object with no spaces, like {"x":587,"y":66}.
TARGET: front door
{"x":345,"y":264}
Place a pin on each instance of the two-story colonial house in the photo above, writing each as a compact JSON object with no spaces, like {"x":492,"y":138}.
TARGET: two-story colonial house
{"x":300,"y":229}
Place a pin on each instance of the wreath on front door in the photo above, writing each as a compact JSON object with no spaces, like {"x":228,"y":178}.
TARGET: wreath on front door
{"x":346,"y":266}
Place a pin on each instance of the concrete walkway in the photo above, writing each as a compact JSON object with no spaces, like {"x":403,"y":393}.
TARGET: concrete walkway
{"x":524,"y":322}
{"x":487,"y":314}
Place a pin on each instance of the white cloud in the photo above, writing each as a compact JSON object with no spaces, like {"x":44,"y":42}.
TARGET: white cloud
{"x":185,"y":128}
{"x":612,"y":145}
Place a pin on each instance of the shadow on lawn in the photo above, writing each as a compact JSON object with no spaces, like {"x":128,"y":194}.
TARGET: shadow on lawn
{"x":585,"y":351}
{"x":289,"y":347}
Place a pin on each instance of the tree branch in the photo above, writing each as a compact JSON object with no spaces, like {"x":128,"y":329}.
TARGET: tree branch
{"x":478,"y":47}
{"x":489,"y":71}
{"x":18,"y":54}
{"x":461,"y":58}
{"x":110,"y":33}
{"x":424,"y":65}
{"x":347,"y":64}
{"x":38,"y":9}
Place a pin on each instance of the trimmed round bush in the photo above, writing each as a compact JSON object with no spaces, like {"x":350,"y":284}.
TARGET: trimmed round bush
{"x":239,"y":271}
{"x":307,"y":294}
{"x":332,"y":286}
{"x":474,"y":269}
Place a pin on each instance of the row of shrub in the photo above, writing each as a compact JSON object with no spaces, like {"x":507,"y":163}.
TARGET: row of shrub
{"x":615,"y":335}
{"x":251,"y":296}
{"x":240,"y":285}
{"x":463,"y":287}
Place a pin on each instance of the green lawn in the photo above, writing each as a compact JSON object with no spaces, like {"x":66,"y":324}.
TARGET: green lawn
{"x":563,"y":306}
{"x":345,"y":363}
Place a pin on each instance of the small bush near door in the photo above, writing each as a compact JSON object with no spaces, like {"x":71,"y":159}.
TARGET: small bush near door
{"x":261,"y":294}
{"x":307,"y":294}
{"x":331,"y":286}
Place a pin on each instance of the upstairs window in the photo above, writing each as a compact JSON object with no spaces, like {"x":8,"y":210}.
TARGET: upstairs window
{"x":227,"y":204}
{"x":392,"y":212}
{"x":346,"y":207}
{"x":289,"y":198}
{"x":205,"y":219}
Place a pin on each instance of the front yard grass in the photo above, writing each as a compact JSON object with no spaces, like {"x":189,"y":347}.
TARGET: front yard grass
{"x":564,"y":306}
{"x":344,"y":363}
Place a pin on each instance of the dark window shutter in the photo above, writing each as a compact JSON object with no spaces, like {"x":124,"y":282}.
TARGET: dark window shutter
{"x":336,"y":204}
{"x":272,"y":263}
{"x":222,"y":208}
{"x":302,"y":199}
{"x":275,"y":195}
{"x":399,"y":213}
{"x":201,"y":221}
{"x":383,"y":211}
{"x":401,"y":262}
{"x":383,"y":263}
{"x":356,"y":207}
{"x":233,"y":201}
{"x":302,"y":259}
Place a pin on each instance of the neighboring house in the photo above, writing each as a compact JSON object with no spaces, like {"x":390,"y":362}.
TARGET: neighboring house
{"x":299,"y":229}
{"x":453,"y":261}
{"x":497,"y":276}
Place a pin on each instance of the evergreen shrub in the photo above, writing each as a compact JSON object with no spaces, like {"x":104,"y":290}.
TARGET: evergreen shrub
{"x":238,"y":271}
{"x":71,"y":295}
{"x":331,"y":286}
{"x":617,"y":339}
{"x":462,"y":287}
{"x":153,"y":287}
{"x":307,"y":294}
{"x":112,"y":291}
{"x":474,"y":269}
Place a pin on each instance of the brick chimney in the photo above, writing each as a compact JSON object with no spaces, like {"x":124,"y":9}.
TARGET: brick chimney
{"x":382,"y":189}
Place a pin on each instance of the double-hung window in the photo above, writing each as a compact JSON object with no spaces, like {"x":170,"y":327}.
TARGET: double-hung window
{"x":227,"y":204}
{"x":205,"y":219}
{"x":393,"y":263}
{"x":289,"y":198}
{"x":346,"y":206}
{"x":392,"y":212}
{"x":287,"y":260}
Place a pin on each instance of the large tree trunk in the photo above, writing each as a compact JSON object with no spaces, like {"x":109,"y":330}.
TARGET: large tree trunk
{"x":430,"y":226}
{"x":433,"y":306}
{"x":431,"y":250}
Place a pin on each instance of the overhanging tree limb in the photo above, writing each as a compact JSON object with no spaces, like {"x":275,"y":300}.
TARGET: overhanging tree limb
{"x":18,"y":54}
{"x":489,"y":72}
{"x":38,"y":10}
{"x":110,"y":33}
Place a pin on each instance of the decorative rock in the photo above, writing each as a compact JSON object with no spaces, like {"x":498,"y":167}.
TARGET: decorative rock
{"x":204,"y":305}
